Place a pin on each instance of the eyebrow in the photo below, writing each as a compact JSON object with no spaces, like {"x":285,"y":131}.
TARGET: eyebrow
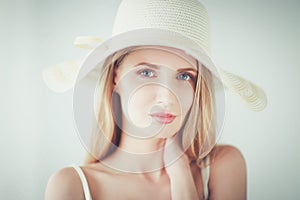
{"x":158,"y":66}
{"x":148,"y":65}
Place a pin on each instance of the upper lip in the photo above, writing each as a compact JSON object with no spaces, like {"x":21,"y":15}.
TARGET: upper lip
{"x":163,"y":114}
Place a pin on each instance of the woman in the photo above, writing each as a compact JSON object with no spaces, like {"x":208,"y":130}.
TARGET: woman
{"x":156,"y":123}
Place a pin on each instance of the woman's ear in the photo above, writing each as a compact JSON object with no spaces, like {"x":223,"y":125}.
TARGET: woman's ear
{"x":115,"y":81}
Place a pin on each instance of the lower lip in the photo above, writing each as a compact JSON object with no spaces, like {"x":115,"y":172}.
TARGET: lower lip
{"x":164,"y":120}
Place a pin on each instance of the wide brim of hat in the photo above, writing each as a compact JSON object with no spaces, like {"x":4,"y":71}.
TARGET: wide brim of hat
{"x":251,"y":94}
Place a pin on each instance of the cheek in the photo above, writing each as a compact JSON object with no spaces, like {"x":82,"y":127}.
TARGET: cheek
{"x":136,"y":102}
{"x":134,"y":96}
{"x":185,"y":97}
{"x":140,"y":98}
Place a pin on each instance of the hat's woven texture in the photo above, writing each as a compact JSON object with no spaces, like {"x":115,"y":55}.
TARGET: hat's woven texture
{"x":188,"y":17}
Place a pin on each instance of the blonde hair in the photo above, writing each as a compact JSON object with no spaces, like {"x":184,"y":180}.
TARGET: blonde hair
{"x":200,"y":120}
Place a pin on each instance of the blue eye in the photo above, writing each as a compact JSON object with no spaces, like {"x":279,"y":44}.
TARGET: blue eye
{"x":146,"y":73}
{"x":184,"y":77}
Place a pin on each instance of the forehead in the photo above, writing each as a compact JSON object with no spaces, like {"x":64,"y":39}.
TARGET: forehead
{"x":164,"y":56}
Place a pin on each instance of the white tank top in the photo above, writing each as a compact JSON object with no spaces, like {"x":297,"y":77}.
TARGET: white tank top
{"x":204,"y":173}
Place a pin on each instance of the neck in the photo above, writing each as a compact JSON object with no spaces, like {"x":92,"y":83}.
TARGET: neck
{"x":141,"y":146}
{"x":139,"y":156}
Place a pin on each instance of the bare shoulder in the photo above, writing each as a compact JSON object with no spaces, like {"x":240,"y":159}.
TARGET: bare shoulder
{"x":64,"y":184}
{"x":226,"y":154}
{"x":228,"y":173}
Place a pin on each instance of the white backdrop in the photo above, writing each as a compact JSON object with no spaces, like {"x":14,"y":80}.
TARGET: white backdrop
{"x":256,"y":39}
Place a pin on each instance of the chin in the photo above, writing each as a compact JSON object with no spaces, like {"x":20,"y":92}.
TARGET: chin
{"x":165,"y":135}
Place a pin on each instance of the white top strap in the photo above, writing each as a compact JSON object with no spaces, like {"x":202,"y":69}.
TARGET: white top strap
{"x":205,"y":177}
{"x":84,"y":182}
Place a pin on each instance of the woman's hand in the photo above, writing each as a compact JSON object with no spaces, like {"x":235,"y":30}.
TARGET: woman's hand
{"x":175,"y":160}
{"x":178,"y":169}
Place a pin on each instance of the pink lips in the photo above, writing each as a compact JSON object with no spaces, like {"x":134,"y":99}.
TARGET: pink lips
{"x":163,"y":118}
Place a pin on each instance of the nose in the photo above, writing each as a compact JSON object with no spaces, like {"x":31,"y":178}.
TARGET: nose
{"x":164,"y":96}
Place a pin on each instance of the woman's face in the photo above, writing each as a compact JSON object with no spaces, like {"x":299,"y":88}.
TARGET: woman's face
{"x":156,"y":88}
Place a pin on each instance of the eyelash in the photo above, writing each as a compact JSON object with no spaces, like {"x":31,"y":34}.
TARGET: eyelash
{"x":140,"y":73}
{"x":190,"y":76}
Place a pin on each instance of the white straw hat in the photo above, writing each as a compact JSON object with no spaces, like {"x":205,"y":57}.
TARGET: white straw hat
{"x":181,"y":24}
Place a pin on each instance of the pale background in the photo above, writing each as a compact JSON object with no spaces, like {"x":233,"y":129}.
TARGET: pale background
{"x":258,"y":39}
